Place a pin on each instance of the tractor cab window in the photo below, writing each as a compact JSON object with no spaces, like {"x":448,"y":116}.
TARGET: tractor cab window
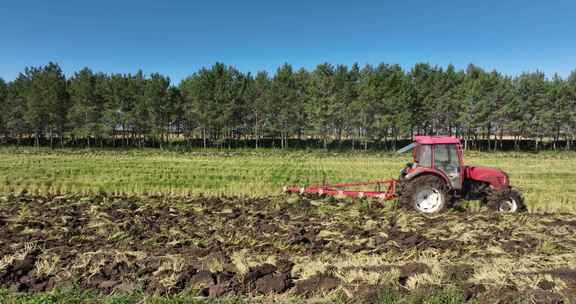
{"x":424,"y":156}
{"x":446,"y":159}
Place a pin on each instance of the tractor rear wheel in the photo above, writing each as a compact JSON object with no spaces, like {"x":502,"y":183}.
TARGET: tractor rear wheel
{"x":426,"y":194}
{"x":508,"y":200}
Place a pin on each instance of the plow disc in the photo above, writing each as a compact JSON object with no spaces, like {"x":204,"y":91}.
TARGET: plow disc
{"x":343,"y":189}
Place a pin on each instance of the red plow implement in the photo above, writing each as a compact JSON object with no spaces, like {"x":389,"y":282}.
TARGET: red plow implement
{"x":342,"y":189}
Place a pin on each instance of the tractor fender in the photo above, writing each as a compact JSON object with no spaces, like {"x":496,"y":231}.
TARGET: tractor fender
{"x":497,"y":179}
{"x":428,"y":171}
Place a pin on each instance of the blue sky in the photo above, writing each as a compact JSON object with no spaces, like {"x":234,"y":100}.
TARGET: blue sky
{"x":176,"y":38}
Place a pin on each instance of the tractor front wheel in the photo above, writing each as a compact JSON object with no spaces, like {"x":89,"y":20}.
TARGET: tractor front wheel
{"x":508,"y":200}
{"x":426,"y":194}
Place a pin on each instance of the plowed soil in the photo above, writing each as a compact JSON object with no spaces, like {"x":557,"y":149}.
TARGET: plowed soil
{"x":281,"y":247}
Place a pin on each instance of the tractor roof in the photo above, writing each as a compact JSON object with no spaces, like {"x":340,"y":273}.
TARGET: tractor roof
{"x":431,"y":140}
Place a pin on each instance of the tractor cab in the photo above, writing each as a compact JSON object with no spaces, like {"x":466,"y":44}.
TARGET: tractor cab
{"x":439,"y":155}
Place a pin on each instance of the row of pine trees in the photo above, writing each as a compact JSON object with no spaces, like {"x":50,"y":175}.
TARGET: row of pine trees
{"x":329,"y":104}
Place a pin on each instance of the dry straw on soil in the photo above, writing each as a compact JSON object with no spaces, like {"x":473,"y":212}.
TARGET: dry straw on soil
{"x":280,"y":248}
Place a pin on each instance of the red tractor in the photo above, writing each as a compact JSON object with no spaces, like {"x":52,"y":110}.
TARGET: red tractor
{"x":435,"y":181}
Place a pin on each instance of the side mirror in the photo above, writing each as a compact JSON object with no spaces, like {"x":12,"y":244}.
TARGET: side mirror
{"x":406,"y":169}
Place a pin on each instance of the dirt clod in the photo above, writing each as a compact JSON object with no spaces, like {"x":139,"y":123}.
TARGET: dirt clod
{"x":202,"y":279}
{"x":317,"y":284}
{"x":258,"y":272}
{"x":471,"y":291}
{"x":411,"y":269}
{"x":271,"y":283}
{"x":459,"y":273}
{"x":218,"y":290}
{"x":108,"y":284}
{"x":546,"y":285}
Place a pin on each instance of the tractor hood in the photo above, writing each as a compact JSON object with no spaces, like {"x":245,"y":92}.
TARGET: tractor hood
{"x":495,"y":177}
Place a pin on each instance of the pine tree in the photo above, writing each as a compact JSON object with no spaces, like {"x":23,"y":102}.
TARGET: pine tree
{"x":284,"y":104}
{"x":86,"y":108}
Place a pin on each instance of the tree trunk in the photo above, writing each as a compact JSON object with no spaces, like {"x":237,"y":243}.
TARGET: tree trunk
{"x":501,"y":140}
{"x":466,"y":140}
{"x":557,"y":137}
{"x":489,"y":135}
{"x":365,"y":141}
{"x":204,"y":137}
{"x":230,"y":138}
{"x":394,"y":145}
{"x":386,"y":140}
{"x":51,"y":139}
{"x":256,"y":131}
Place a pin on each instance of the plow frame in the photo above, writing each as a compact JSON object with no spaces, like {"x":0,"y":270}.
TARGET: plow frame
{"x":340,"y":189}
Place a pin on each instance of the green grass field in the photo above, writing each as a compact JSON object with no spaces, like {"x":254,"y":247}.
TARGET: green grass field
{"x":547,"y":179}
